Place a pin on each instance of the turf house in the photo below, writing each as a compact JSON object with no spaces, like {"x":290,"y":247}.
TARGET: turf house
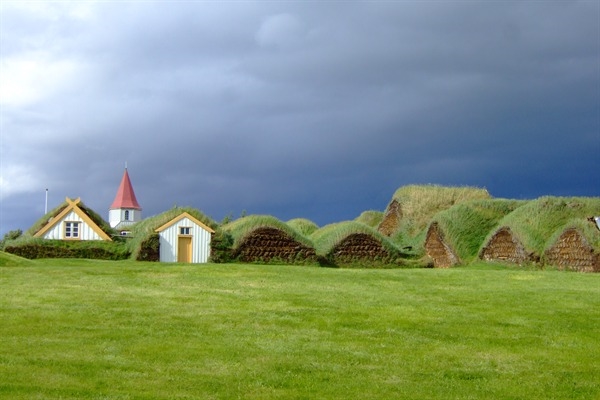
{"x":72,"y":221}
{"x":184,"y":239}
{"x":180,"y":234}
{"x":575,"y":246}
{"x":352,"y":243}
{"x":409,"y":213}
{"x":71,"y":230}
{"x":413,"y":206}
{"x":522,"y":236}
{"x":263,"y":238}
{"x":505,"y":246}
{"x":455,"y":235}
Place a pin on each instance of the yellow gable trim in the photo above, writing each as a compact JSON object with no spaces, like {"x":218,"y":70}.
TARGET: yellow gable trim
{"x":91,"y":223}
{"x":72,"y":206}
{"x":56,"y":219}
{"x":179,"y":218}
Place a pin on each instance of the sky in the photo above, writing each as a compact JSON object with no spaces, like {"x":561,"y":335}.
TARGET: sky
{"x":296,"y":109}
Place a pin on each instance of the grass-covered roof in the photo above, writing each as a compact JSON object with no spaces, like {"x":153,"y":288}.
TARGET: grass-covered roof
{"x":242,"y":227}
{"x":466,"y":225}
{"x":149,"y":224}
{"x":329,"y":236}
{"x":418,"y":205}
{"x":587,"y":229}
{"x":47,"y":218}
{"x":535,"y":223}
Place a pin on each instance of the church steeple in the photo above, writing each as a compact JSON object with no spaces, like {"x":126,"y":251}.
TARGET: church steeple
{"x":125,"y":209}
{"x":125,"y":197}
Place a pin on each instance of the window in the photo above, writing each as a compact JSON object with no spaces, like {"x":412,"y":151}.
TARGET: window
{"x":126,"y":215}
{"x":185,"y":230}
{"x":71,"y":230}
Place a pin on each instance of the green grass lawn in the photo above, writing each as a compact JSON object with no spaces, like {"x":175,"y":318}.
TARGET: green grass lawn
{"x":82,"y":329}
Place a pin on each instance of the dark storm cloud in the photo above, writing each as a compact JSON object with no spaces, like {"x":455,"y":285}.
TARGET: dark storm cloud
{"x":293,"y":109}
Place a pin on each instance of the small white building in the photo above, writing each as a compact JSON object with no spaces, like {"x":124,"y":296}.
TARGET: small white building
{"x":72,"y":223}
{"x":184,"y":239}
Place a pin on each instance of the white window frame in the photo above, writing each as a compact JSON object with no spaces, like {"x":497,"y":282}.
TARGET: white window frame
{"x":72,"y":230}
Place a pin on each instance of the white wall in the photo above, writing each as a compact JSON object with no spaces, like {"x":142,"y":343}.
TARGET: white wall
{"x":200,"y":242}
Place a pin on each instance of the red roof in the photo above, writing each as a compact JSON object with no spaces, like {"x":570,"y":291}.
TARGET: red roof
{"x":125,"y":197}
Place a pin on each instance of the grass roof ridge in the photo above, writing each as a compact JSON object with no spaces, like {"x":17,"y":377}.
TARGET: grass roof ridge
{"x":303,"y":225}
{"x":408,"y":191}
{"x":371,"y":218}
{"x":153,"y":222}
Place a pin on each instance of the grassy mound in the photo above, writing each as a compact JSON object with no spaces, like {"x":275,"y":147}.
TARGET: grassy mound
{"x":535,"y":223}
{"x":353,"y":243}
{"x":371,"y":218}
{"x":417,"y":204}
{"x":305,"y":226}
{"x":266,"y":239}
{"x":463,"y":228}
{"x":11,"y":260}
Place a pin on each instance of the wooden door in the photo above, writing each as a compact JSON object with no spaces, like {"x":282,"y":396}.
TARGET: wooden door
{"x":184,"y":249}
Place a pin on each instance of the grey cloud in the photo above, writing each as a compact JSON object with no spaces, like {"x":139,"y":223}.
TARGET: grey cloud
{"x":318,"y":110}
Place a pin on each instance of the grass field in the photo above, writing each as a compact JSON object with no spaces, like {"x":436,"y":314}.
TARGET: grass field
{"x":83,"y":329}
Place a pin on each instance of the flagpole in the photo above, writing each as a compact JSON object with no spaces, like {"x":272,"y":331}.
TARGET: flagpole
{"x":46,"y":206}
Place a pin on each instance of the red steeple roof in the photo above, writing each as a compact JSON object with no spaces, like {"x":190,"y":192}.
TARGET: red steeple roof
{"x":125,"y":197}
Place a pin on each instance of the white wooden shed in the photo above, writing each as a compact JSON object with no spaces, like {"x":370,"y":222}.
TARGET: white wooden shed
{"x":184,"y":239}
{"x":72,"y":223}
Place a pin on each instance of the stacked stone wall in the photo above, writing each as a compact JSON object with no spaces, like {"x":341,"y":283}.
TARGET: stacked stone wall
{"x":359,"y":247}
{"x":437,"y":249}
{"x":505,"y":247}
{"x":391,"y":219}
{"x":268,"y":244}
{"x":572,"y":251}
